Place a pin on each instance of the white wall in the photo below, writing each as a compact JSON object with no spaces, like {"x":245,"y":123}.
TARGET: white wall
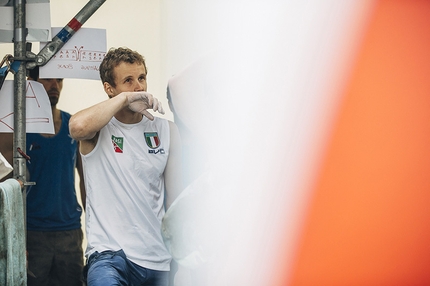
{"x":131,"y":23}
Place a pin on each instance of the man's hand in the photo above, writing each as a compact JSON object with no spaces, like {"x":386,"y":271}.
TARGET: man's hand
{"x":141,"y":101}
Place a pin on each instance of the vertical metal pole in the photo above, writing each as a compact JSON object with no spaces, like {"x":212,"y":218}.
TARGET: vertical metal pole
{"x":19,"y":140}
{"x":20,"y":34}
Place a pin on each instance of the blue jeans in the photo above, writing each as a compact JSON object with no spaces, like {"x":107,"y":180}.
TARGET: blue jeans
{"x":113,"y":268}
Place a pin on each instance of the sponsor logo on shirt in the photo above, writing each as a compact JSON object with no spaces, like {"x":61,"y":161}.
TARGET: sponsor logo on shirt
{"x":152,"y":139}
{"x":118,"y":144}
{"x":153,"y":142}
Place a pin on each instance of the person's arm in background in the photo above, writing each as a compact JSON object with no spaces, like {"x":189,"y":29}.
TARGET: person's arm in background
{"x":81,"y":178}
{"x":6,"y":149}
{"x":173,"y":172}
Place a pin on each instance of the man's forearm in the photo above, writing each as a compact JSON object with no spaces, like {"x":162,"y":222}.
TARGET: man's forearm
{"x":86,"y":123}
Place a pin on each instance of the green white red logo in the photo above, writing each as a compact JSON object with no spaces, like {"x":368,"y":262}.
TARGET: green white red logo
{"x":118,"y":144}
{"x":152,"y":139}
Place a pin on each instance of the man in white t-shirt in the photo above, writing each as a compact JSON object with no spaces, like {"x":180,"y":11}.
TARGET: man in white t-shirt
{"x":132,"y":168}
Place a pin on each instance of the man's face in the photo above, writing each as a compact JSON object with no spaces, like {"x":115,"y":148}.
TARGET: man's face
{"x":53,"y":87}
{"x":128,"y":77}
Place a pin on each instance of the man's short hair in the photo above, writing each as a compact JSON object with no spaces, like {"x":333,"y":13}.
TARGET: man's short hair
{"x":113,"y":58}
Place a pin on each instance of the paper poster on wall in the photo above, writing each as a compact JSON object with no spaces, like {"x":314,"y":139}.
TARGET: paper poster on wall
{"x":38,"y":108}
{"x":80,"y":57}
{"x":38,"y":21}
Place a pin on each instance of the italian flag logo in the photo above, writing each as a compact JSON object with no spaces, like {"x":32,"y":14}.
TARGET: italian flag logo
{"x":152,"y":139}
{"x":118,"y":144}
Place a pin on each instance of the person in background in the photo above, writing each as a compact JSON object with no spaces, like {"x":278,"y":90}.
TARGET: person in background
{"x":132,"y":163}
{"x":54,"y":232}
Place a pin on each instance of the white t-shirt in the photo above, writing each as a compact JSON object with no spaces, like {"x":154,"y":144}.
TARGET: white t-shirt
{"x":125,"y":191}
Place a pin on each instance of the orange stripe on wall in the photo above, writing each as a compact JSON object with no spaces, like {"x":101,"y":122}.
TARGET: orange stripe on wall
{"x":369,"y":221}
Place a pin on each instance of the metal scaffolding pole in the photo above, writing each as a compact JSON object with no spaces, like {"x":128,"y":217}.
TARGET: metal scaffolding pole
{"x":19,"y":162}
{"x":20,"y":34}
{"x":28,"y":61}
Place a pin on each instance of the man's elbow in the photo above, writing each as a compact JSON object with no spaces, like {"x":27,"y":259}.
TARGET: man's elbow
{"x":77,"y":129}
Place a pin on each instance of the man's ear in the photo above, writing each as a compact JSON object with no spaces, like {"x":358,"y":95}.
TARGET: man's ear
{"x":108,"y":89}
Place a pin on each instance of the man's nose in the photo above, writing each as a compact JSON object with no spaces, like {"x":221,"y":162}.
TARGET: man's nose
{"x":139,"y":86}
{"x":54,"y":83}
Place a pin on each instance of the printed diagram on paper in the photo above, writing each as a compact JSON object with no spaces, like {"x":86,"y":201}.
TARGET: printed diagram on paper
{"x":79,"y":54}
{"x":38,"y":108}
{"x":80,"y":57}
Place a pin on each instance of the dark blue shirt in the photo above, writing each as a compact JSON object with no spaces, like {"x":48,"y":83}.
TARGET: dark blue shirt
{"x":52,"y":203}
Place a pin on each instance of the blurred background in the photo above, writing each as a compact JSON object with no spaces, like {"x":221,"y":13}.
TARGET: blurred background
{"x":312,"y":121}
